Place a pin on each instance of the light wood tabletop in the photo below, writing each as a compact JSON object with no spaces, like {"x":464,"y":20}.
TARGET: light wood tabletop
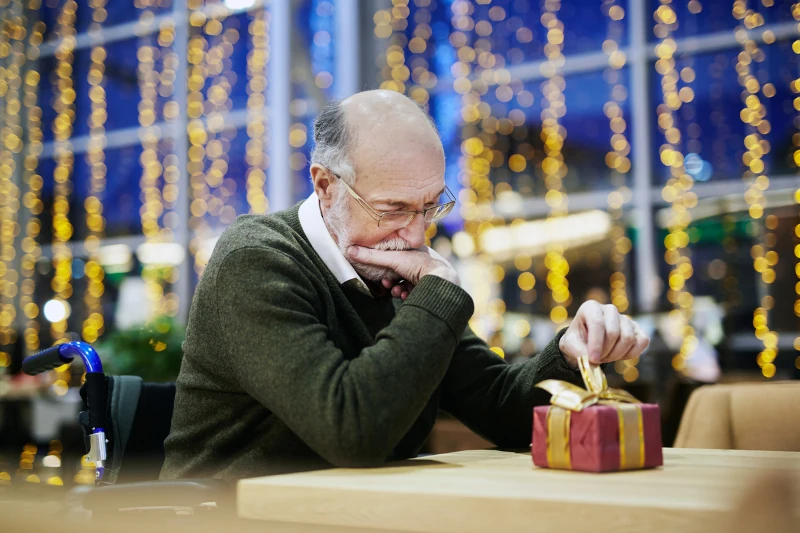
{"x":487,"y":490}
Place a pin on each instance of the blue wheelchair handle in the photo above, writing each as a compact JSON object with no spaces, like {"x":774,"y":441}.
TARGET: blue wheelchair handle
{"x":62,"y":354}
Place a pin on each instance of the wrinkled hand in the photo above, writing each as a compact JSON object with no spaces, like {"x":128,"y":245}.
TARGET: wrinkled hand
{"x":602,"y":333}
{"x":409,"y":265}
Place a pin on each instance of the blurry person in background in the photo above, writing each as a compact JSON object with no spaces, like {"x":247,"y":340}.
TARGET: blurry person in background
{"x":329,"y":334}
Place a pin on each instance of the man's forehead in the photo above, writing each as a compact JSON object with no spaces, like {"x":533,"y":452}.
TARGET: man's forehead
{"x":401,"y":188}
{"x":402,"y":179}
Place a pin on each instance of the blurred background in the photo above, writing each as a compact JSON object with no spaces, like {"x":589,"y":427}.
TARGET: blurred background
{"x":640,"y":153}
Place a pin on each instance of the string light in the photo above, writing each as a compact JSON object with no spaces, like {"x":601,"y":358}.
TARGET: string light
{"x":795,"y":86}
{"x":422,"y":79}
{"x":524,"y":158}
{"x":170,"y":194}
{"x":754,"y":116}
{"x":160,"y":172}
{"x":475,"y":70}
{"x":14,"y":33}
{"x":257,"y":123}
{"x":198,"y":45}
{"x":473,"y":165}
{"x":92,"y":326}
{"x":33,"y":183}
{"x":677,"y":190}
{"x":152,"y":168}
{"x":619,"y":164}
{"x":392,"y":25}
{"x":210,"y":190}
{"x":216,"y":190}
{"x":617,"y":159}
{"x":553,"y":167}
{"x":64,"y":105}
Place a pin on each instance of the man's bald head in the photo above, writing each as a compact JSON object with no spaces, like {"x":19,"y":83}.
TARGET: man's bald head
{"x":373,"y":128}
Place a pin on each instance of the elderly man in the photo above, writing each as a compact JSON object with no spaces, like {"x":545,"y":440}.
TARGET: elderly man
{"x":329,"y":334}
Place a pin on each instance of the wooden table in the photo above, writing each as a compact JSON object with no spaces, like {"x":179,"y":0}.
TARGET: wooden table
{"x":489,"y":490}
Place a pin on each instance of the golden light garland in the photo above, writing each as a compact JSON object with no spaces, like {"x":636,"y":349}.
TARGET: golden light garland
{"x":755,"y":177}
{"x":220,"y":136}
{"x":521,"y":163}
{"x":257,"y":123}
{"x":12,"y":44}
{"x":795,"y":86}
{"x":160,"y":172}
{"x":498,"y":127}
{"x":617,"y":159}
{"x":473,"y":73}
{"x":198,"y":45}
{"x":170,"y":193}
{"x":619,"y":164}
{"x":32,"y":197}
{"x":553,"y":167}
{"x":152,"y":168}
{"x":211,"y":190}
{"x":422,"y":79}
{"x":677,"y":190}
{"x":392,"y":25}
{"x":93,"y":325}
{"x":64,"y":104}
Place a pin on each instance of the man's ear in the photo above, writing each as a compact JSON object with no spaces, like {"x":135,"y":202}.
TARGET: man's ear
{"x":322,"y":179}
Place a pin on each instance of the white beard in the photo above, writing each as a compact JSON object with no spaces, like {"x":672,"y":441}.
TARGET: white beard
{"x":336,"y":220}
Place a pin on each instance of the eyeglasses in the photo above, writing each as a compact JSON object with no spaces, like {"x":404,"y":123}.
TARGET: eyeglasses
{"x":394,"y":220}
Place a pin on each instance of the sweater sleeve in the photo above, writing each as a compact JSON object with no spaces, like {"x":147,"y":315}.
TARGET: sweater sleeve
{"x":494,"y":398}
{"x":352,"y":412}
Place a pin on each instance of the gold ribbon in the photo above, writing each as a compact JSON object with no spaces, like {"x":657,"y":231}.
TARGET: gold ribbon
{"x":567,"y":398}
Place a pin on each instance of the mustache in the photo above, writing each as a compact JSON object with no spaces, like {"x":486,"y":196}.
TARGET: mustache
{"x":395,"y":245}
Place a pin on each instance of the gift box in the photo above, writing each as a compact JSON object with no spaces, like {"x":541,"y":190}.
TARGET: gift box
{"x":596,"y":429}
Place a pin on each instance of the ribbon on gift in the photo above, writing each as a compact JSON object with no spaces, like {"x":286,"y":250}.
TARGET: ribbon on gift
{"x":567,"y":398}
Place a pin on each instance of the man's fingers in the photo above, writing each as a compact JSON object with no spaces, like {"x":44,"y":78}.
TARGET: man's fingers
{"x":406,"y":263}
{"x":574,"y":346}
{"x":641,"y":344}
{"x":595,"y":330}
{"x":611,"y":319}
{"x":399,"y":289}
{"x":384,"y":258}
{"x":626,"y":341}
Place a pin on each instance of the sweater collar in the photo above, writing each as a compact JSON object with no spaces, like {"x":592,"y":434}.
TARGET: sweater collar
{"x":322,"y":242}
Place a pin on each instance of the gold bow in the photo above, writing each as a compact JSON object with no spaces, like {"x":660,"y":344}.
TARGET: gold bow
{"x":567,"y":398}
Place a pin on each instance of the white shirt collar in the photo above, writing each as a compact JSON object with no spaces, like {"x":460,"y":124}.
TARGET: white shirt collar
{"x":320,"y":238}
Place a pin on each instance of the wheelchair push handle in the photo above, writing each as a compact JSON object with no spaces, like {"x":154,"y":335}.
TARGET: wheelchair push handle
{"x":96,"y":388}
{"x":62,"y":354}
{"x":45,"y":360}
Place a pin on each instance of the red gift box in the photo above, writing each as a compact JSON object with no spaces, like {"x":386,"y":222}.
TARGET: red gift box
{"x":596,"y":429}
{"x":593,"y":439}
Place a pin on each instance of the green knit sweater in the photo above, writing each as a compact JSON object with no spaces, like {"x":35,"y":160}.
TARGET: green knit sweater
{"x":284,"y":369}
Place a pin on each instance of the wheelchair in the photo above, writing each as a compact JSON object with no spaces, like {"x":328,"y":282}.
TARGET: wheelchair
{"x":125,"y":422}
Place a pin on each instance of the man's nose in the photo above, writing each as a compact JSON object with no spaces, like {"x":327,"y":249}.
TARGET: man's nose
{"x":414,"y":233}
